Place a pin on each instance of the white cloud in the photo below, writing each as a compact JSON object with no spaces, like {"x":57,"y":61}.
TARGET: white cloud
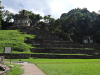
{"x":50,"y":7}
{"x":91,"y":5}
{"x":60,"y":6}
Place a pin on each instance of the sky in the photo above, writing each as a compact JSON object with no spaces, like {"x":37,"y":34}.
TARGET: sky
{"x":49,"y":7}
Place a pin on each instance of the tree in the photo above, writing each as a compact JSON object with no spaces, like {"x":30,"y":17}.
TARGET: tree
{"x":1,"y":15}
{"x":57,"y":26}
{"x":97,"y":34}
{"x":76,"y":21}
{"x":71,"y":22}
{"x":51,"y":24}
{"x":64,"y":36}
{"x":42,"y":25}
{"x":47,"y":18}
{"x":90,"y":31}
{"x":48,"y":23}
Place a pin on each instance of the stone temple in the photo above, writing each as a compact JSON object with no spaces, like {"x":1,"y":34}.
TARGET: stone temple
{"x":22,"y":19}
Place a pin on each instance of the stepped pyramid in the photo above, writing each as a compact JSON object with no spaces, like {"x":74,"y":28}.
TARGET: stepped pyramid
{"x":48,"y":42}
{"x":51,"y":43}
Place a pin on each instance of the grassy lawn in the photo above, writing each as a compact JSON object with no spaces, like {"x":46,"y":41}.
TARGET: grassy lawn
{"x":14,"y":39}
{"x":65,"y":66}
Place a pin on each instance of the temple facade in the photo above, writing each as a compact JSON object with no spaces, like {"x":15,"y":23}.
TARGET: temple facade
{"x":22,"y":19}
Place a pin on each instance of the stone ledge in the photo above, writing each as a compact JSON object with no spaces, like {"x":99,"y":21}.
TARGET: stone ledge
{"x":3,"y":66}
{"x":6,"y":68}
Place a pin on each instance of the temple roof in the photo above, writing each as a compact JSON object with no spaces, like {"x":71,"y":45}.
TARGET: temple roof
{"x":23,"y":15}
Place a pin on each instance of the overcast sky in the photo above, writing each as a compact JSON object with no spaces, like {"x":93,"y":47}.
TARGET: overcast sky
{"x":50,"y":7}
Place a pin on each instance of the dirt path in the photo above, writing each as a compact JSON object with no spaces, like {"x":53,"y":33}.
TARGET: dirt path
{"x":30,"y":69}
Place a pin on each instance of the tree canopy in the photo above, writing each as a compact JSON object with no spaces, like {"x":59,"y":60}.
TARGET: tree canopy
{"x":73,"y":25}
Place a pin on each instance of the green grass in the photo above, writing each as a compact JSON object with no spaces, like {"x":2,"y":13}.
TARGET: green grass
{"x":71,"y":69}
{"x":14,"y":39}
{"x":54,"y":61}
{"x":66,"y":66}
{"x":16,"y":70}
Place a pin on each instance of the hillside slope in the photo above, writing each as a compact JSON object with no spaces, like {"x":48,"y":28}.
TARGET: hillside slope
{"x":14,"y":39}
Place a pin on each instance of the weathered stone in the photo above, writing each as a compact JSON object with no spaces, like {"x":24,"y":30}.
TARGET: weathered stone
{"x":88,"y":39}
{"x":3,"y":67}
{"x":22,"y":19}
{"x":16,"y":56}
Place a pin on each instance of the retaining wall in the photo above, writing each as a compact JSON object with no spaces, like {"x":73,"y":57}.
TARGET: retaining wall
{"x":59,"y":46}
{"x":34,"y":41}
{"x":64,"y":51}
{"x":56,"y":56}
{"x":62,"y":56}
{"x":16,"y":56}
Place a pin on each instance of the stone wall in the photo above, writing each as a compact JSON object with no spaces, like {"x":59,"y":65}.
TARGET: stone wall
{"x":62,"y":56}
{"x":40,"y":41}
{"x":40,"y":34}
{"x":64,"y":51}
{"x":96,"y":56}
{"x":47,"y":40}
{"x":59,"y":46}
{"x":16,"y":56}
{"x":16,"y":27}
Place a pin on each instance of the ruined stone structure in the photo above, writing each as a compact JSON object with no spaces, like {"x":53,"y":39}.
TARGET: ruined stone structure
{"x":3,"y":67}
{"x":88,"y":39}
{"x":50,"y":42}
{"x":22,"y":19}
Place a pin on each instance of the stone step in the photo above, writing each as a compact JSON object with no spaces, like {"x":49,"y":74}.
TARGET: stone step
{"x":52,"y":43}
{"x":40,"y":31}
{"x":5,"y":67}
{"x":47,"y":38}
{"x":51,"y":40}
{"x":33,"y":41}
{"x":62,"y":56}
{"x":58,"y":46}
{"x":64,"y":51}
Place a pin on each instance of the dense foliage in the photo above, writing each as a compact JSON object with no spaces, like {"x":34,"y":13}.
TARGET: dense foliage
{"x":81,"y":22}
{"x":73,"y":25}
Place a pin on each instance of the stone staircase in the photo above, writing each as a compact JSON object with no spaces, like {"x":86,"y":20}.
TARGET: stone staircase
{"x":51,"y":43}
